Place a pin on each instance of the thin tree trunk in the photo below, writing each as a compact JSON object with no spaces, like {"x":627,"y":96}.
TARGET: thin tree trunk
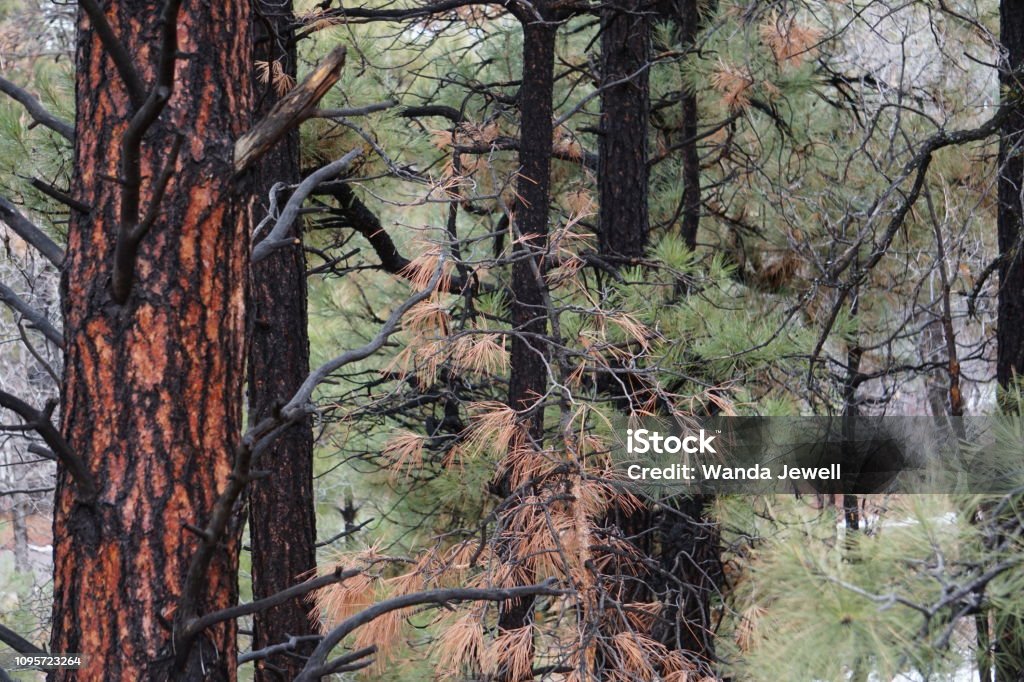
{"x":685,"y":541}
{"x":1010,"y":330}
{"x":529,"y":357}
{"x":622,"y":144}
{"x":528,"y":380}
{"x":688,"y":23}
{"x":152,"y":391}
{"x":1008,"y":634}
{"x":282,"y":522}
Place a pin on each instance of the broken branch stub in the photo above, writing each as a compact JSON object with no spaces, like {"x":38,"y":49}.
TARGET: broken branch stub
{"x":290,"y":111}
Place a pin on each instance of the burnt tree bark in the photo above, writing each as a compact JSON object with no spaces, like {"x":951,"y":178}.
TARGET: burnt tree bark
{"x":282,"y":522}
{"x":529,"y":356}
{"x":152,"y":392}
{"x":528,"y":380}
{"x":688,"y":24}
{"x":1010,"y":330}
{"x":622,"y":144}
{"x":1007,"y":645}
{"x":685,"y":539}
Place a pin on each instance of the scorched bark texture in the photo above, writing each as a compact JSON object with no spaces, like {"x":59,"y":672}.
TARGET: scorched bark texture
{"x":153,"y":388}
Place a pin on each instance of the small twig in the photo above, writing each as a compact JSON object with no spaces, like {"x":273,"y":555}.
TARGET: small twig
{"x":345,"y":533}
{"x":972,"y":299}
{"x":37,"y":355}
{"x":354,"y":111}
{"x":60,"y":195}
{"x":280,"y":648}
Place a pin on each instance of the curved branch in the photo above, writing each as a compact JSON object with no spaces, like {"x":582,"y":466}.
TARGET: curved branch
{"x":450,"y":113}
{"x":972,"y":299}
{"x":277,"y":239}
{"x":36,"y":110}
{"x":298,"y":407}
{"x":41,"y":424}
{"x":24,"y":228}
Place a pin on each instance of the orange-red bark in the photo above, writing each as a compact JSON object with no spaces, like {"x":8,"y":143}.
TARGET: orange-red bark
{"x":153,"y":388}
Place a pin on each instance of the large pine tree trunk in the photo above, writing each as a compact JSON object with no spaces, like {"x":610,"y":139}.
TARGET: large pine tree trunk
{"x":153,"y":388}
{"x":281,"y":506}
{"x":622,"y":144}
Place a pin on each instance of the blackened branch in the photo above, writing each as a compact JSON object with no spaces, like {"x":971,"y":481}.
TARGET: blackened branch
{"x":130,"y":230}
{"x":117,"y":51}
{"x":18,"y":643}
{"x":24,"y":228}
{"x":60,"y":195}
{"x":199,"y":624}
{"x":450,"y":113}
{"x":41,"y":424}
{"x":364,"y":221}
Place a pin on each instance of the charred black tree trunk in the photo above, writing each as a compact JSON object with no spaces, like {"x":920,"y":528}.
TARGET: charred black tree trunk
{"x":676,"y":534}
{"x":688,"y":23}
{"x":622,"y":144}
{"x":281,"y":507}
{"x":529,"y":353}
{"x":528,"y":382}
{"x":1007,"y":642}
{"x":152,"y":389}
{"x":689,"y":554}
{"x":1010,"y":335}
